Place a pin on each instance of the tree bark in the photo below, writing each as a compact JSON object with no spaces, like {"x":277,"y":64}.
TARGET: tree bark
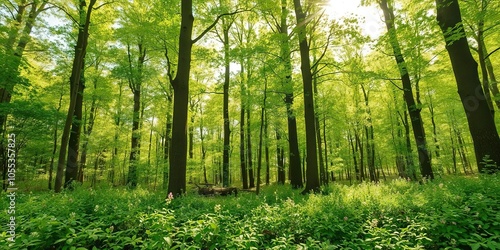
{"x":484,"y":72}
{"x":481,"y":123}
{"x":251,"y":184}
{"x":312,"y":183}
{"x":74,"y":139}
{"x":243,"y":166}
{"x":180,"y":84}
{"x":78,"y":62}
{"x":261,"y":135}
{"x":54,"y":148}
{"x":135,"y":84}
{"x":293,"y":144}
{"x":168,"y":138}
{"x":225,"y":108}
{"x":280,"y":158}
{"x":87,"y":132}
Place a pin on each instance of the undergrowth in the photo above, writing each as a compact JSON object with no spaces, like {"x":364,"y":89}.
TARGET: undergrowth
{"x":452,"y":213}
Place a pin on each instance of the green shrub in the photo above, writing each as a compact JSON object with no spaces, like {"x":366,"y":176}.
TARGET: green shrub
{"x":454,"y":213}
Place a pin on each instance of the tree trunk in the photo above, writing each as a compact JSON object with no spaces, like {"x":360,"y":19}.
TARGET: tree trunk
{"x":225,"y":108}
{"x":434,"y":127}
{"x":243,"y":155}
{"x":280,"y":158}
{"x":293,"y":144}
{"x":482,"y":64}
{"x":370,"y":147}
{"x":360,"y":148}
{"x":54,"y":148}
{"x":87,"y":132}
{"x":249,"y":152}
{"x":322,"y":172}
{"x":266,"y":149}
{"x":493,"y":79}
{"x":74,"y":139}
{"x":78,"y":62}
{"x":481,"y":123}
{"x":261,"y":135}
{"x":180,"y":84}
{"x":135,"y":84}
{"x":326,"y":150}
{"x":168,"y":139}
{"x":413,"y":108}
{"x":354,"y":156}
{"x":312,"y":184}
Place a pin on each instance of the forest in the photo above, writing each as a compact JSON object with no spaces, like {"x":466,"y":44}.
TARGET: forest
{"x":228,"y":124}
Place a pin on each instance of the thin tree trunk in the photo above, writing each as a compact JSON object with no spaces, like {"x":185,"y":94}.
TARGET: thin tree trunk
{"x":243,"y":160}
{"x":434,"y":127}
{"x":370,"y":147}
{"x":54,"y":148}
{"x":493,"y":79}
{"x":225,"y":108}
{"x":116,"y":138}
{"x":168,"y":139}
{"x":149,"y":151}
{"x":249,"y":152}
{"x":484,"y":72}
{"x":295,"y":171}
{"x":326,"y":150}
{"x":266,"y":150}
{"x":322,"y":172}
{"x":413,"y":109}
{"x":87,"y":132}
{"x":354,"y":156}
{"x":135,"y":84}
{"x":78,"y":62}
{"x":203,"y":149}
{"x":261,"y":135}
{"x":280,"y":158}
{"x":74,"y":138}
{"x":481,"y":123}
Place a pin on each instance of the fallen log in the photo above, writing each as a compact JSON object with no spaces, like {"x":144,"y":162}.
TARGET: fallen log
{"x":209,"y":190}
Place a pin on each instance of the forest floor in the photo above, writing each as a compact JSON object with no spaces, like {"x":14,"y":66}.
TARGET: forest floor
{"x":448,"y":213}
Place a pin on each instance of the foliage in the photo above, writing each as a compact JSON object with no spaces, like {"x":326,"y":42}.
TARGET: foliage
{"x":453,"y":213}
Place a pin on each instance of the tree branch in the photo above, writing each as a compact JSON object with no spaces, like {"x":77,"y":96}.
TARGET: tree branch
{"x":495,"y":50}
{"x":215,"y":23}
{"x":393,"y":83}
{"x":102,"y":5}
{"x":66,"y":12}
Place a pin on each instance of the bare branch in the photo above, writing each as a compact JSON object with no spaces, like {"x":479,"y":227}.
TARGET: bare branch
{"x":393,"y":83}
{"x":169,"y":65}
{"x":102,"y":5}
{"x":322,"y":54}
{"x":66,"y":12}
{"x":495,"y":50}
{"x":215,"y":23}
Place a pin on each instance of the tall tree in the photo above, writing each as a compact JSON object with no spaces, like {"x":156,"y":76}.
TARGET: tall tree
{"x":180,"y":85}
{"x":71,"y":173}
{"x":413,"y":109}
{"x":226,"y":25}
{"x":135,"y":80}
{"x":293,"y":144}
{"x":312,"y":177}
{"x":481,"y":123}
{"x":78,"y":63}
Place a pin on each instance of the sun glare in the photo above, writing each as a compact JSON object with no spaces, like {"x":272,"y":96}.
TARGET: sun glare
{"x":371,"y":22}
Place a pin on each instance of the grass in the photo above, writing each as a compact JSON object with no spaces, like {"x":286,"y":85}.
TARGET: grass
{"x":450,"y":213}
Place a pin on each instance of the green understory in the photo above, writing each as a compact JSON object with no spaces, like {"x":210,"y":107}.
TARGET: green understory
{"x":449,"y":213}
